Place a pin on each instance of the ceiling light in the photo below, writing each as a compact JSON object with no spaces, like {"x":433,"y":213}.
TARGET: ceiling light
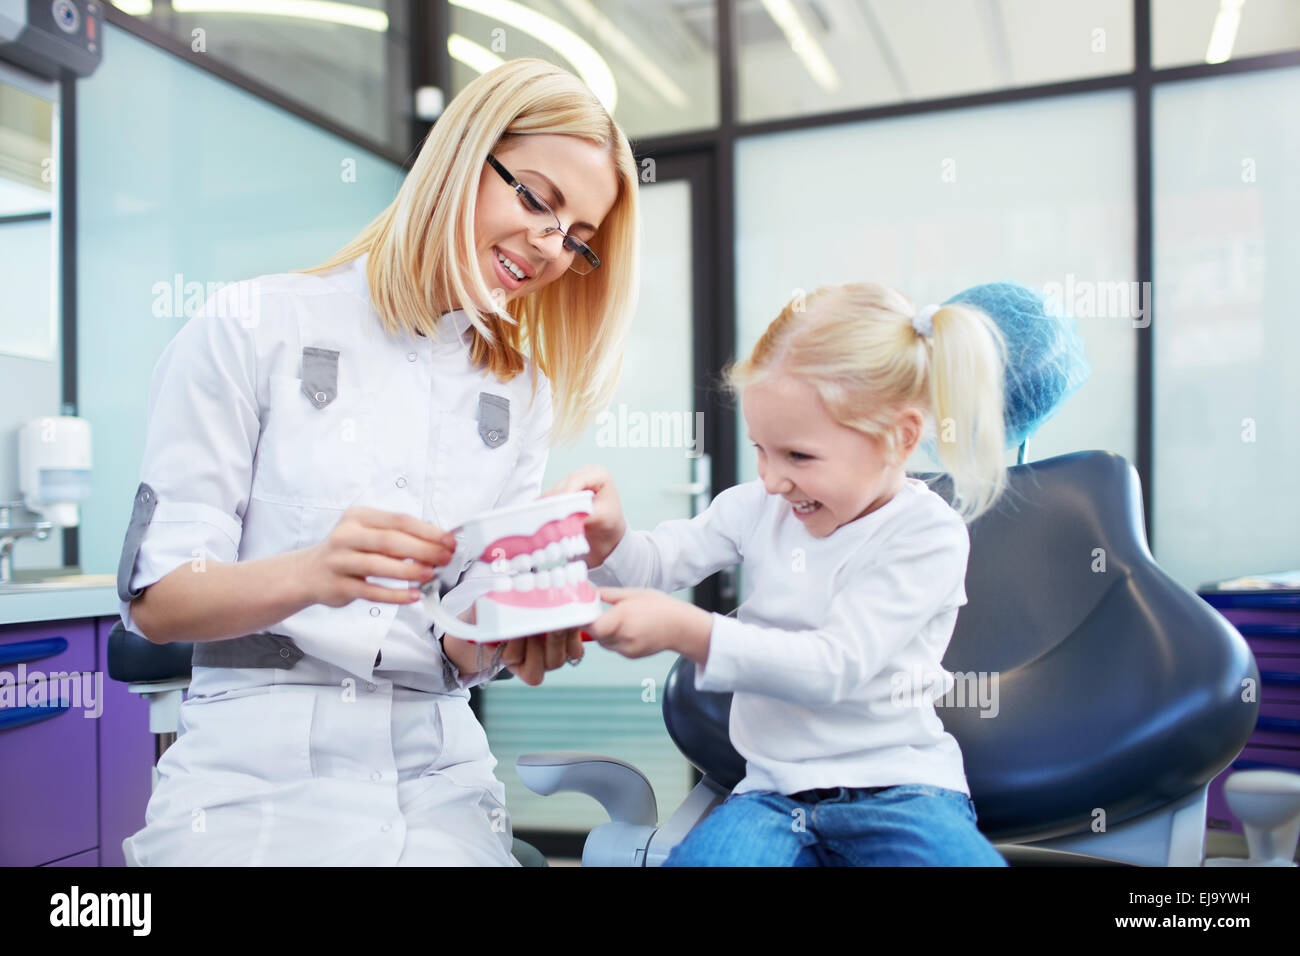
{"x":1224,"y":34}
{"x":802,"y":43}
{"x":477,"y":58}
{"x":323,"y":11}
{"x":590,"y":65}
{"x":615,"y":39}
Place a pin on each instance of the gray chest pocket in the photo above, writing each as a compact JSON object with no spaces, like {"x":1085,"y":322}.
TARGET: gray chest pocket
{"x":493,"y":419}
{"x":320,"y":375}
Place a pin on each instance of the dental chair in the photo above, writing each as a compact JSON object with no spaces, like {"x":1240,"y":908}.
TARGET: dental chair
{"x":1120,"y":695}
{"x":161,"y":673}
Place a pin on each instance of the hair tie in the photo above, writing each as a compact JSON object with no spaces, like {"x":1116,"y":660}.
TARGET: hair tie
{"x":923,"y":321}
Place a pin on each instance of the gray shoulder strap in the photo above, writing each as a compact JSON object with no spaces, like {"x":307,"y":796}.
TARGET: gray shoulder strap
{"x":141,"y":515}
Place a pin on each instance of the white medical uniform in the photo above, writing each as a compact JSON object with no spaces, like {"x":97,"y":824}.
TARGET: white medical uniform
{"x":337,"y":759}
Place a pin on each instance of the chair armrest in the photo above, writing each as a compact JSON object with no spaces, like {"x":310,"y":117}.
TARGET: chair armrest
{"x":706,"y":795}
{"x":619,"y":787}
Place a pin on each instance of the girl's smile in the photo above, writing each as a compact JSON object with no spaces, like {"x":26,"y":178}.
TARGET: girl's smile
{"x":829,"y":473}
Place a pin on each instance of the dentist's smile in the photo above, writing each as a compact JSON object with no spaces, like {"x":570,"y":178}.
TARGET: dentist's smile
{"x":511,"y":271}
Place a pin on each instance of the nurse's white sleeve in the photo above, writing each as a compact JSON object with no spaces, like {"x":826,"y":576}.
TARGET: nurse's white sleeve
{"x":201,"y":433}
{"x":682,"y":552}
{"x":879,"y":605}
{"x":524,"y":485}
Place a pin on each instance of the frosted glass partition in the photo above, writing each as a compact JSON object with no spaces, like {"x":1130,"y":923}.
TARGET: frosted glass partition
{"x":184,"y":179}
{"x":1039,"y":192}
{"x":1227,"y":238}
{"x":610,"y":704}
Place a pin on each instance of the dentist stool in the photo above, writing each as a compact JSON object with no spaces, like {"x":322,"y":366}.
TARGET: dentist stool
{"x":1120,"y":695}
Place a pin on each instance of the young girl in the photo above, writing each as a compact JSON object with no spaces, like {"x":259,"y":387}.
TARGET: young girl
{"x":314,"y":434}
{"x":856,"y":572}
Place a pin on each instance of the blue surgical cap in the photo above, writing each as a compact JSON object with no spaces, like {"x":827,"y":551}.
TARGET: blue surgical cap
{"x":1045,"y":362}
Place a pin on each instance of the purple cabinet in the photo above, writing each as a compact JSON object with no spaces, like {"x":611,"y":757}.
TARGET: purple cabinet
{"x":47,"y":742}
{"x":75,"y":747}
{"x":126,"y":756}
{"x":1270,"y":623}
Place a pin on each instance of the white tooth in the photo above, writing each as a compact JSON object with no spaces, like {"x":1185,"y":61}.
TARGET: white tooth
{"x":503,"y":583}
{"x":566,"y":546}
{"x":554,"y":555}
{"x":521,"y":563}
{"x":574,"y":572}
{"x":583,"y":546}
{"x":538,"y":558}
{"x":524,"y":582}
{"x":517,"y":272}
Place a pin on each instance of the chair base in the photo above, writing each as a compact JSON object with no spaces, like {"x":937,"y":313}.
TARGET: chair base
{"x":1173,"y":835}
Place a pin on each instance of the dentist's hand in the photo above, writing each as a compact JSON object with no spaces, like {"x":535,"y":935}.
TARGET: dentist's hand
{"x":605,"y":526}
{"x":528,"y":658}
{"x":366,"y":542}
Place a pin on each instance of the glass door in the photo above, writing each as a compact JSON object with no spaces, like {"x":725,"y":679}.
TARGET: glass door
{"x":653,"y":439}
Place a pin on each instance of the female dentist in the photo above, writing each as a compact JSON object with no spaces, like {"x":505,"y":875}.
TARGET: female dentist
{"x":311,"y":431}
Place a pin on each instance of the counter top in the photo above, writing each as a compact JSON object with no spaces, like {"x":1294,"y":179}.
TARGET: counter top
{"x":82,"y":596}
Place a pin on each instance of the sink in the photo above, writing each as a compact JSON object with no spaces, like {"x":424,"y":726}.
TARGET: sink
{"x":52,"y":579}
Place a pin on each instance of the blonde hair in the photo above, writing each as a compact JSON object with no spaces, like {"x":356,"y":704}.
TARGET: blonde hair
{"x":422,"y":259}
{"x":856,"y":346}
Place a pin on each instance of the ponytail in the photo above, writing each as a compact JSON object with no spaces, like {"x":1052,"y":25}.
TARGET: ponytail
{"x":968,"y":358}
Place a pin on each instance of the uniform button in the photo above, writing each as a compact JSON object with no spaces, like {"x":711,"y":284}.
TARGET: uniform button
{"x":410,"y":356}
{"x":369,"y":686}
{"x":386,"y":827}
{"x":374,"y":612}
{"x":320,"y":396}
{"x":493,"y":434}
{"x":376,"y":775}
{"x":284,"y":652}
{"x":401,"y":482}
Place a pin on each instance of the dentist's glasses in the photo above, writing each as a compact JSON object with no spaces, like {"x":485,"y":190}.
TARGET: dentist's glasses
{"x":584,"y":260}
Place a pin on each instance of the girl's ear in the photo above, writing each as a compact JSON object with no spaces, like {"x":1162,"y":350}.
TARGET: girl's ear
{"x":909,"y":427}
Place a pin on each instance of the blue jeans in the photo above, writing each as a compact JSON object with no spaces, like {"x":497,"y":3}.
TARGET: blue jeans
{"x":907,"y":825}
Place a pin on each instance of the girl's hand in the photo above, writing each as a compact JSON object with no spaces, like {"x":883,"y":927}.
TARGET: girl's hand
{"x":368,"y":541}
{"x":644,"y":622}
{"x":605,"y":526}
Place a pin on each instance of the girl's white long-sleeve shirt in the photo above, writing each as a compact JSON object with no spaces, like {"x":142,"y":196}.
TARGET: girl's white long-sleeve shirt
{"x":835,"y":658}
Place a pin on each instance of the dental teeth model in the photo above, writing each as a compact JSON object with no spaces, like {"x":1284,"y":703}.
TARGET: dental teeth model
{"x":536,"y":552}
